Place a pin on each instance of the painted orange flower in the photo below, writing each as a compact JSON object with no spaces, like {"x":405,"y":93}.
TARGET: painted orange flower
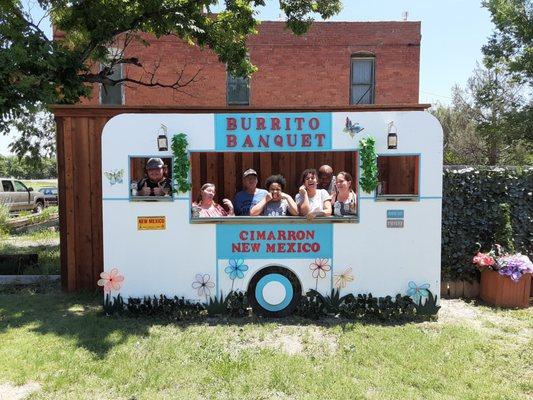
{"x":320,"y":267}
{"x":110,"y":280}
{"x":341,"y":280}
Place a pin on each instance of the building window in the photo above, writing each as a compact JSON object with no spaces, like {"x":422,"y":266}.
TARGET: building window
{"x":238,"y":90}
{"x":112,"y":94}
{"x":362,"y":81}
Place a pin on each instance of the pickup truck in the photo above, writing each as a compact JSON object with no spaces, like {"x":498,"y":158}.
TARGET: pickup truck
{"x":18,"y":197}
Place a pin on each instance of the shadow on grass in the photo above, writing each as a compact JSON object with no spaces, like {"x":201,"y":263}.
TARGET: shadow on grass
{"x":78,"y":317}
{"x":48,"y":264}
{"x":45,"y":309}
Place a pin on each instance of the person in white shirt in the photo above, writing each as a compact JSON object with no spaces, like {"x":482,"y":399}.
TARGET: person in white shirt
{"x":312,"y":202}
{"x":345,"y":200}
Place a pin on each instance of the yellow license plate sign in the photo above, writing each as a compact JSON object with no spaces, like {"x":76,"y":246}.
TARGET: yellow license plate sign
{"x":151,"y":223}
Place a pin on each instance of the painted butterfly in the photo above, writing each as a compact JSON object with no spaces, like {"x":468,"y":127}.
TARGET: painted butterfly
{"x":114,"y":177}
{"x":351,"y":128}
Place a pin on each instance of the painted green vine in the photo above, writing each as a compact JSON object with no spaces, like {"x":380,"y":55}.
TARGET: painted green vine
{"x":369,"y":165}
{"x":181,"y":162}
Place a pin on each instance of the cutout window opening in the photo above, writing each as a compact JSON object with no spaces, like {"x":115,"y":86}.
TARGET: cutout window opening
{"x":150,"y":178}
{"x":225,"y":170}
{"x":398,"y":177}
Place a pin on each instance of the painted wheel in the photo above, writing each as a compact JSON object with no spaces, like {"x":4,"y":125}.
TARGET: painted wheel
{"x":274,"y":292}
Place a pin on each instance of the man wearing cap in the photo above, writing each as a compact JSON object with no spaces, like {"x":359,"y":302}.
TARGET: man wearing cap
{"x":250,"y":195}
{"x":155,"y":183}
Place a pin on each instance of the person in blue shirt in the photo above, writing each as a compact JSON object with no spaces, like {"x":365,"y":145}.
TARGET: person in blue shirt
{"x":250,"y":195}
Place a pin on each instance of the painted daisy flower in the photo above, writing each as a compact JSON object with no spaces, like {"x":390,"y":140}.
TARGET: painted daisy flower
{"x":236,"y":269}
{"x":110,"y":280}
{"x":417,"y":292}
{"x":341,"y":280}
{"x":203,"y":285}
{"x":320,"y":267}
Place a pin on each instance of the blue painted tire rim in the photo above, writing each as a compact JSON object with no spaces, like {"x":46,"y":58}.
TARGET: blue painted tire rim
{"x":289,"y":292}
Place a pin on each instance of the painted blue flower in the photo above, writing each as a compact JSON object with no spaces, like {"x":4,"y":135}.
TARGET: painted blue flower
{"x":417,"y":292}
{"x":236,"y":269}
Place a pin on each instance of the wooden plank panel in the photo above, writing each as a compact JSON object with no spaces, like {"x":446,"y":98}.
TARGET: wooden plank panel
{"x":195,"y":175}
{"x":292,"y":177}
{"x":284,"y":165}
{"x":60,"y":145}
{"x":310,"y":161}
{"x":339,"y":163}
{"x":247,"y":161}
{"x":265,"y":168}
{"x":95,"y":159}
{"x":68,"y":196}
{"x":456,"y":289}
{"x":230,"y":174}
{"x":471,"y":290}
{"x":417,"y":176}
{"x":82,"y":203}
{"x":212,"y":172}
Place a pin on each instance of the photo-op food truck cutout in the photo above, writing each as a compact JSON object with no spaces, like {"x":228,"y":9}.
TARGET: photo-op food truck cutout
{"x":157,"y":242}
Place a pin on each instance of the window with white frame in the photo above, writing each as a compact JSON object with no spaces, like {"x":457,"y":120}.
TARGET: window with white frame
{"x":362,"y":80}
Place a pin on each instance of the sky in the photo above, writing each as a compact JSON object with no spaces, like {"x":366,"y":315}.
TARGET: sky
{"x":453,"y":32}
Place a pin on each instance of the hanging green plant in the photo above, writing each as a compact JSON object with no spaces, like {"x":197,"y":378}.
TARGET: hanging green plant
{"x":369,"y":165}
{"x":181,"y":162}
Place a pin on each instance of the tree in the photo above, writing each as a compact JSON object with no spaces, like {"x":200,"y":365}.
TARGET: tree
{"x":512,"y":42}
{"x":489,"y":122}
{"x":462,"y":145}
{"x":36,"y":134}
{"x":35,"y":69}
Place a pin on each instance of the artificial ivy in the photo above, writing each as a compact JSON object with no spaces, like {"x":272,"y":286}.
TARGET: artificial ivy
{"x":471,"y":214}
{"x":181,"y":162}
{"x":369,"y":165}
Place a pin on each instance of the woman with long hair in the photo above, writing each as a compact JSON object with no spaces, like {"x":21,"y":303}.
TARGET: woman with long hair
{"x":345,"y":200}
{"x":312,"y":202}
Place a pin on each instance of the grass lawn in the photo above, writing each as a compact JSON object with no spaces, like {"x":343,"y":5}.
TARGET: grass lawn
{"x":43,"y":242}
{"x":62,"y":347}
{"x":40,"y":183}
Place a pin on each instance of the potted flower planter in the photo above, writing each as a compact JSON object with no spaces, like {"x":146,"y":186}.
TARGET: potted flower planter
{"x":501,"y":291}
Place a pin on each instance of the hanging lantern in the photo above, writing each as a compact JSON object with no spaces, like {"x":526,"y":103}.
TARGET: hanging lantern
{"x":162,"y":140}
{"x":392,"y":137}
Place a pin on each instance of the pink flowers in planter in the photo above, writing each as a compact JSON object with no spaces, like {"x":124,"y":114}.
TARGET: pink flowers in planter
{"x":511,"y":265}
{"x":483,"y":260}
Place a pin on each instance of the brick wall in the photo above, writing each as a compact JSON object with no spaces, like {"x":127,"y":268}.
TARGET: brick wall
{"x":310,"y":70}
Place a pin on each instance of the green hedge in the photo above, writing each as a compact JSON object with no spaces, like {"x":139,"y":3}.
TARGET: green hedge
{"x":470,"y":209}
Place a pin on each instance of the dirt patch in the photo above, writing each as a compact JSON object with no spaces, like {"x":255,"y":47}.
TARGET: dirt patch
{"x":455,"y":310}
{"x":490,"y":321}
{"x":292,"y":340}
{"x":12,"y":392}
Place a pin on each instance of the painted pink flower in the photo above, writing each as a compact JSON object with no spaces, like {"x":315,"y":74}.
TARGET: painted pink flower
{"x":110,"y":280}
{"x":483,"y":260}
{"x":320,"y":267}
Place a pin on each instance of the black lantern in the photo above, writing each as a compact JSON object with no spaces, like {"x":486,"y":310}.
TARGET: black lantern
{"x":162,"y":140}
{"x":392,"y":137}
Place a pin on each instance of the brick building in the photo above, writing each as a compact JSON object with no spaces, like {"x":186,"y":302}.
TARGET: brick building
{"x":335,"y":64}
